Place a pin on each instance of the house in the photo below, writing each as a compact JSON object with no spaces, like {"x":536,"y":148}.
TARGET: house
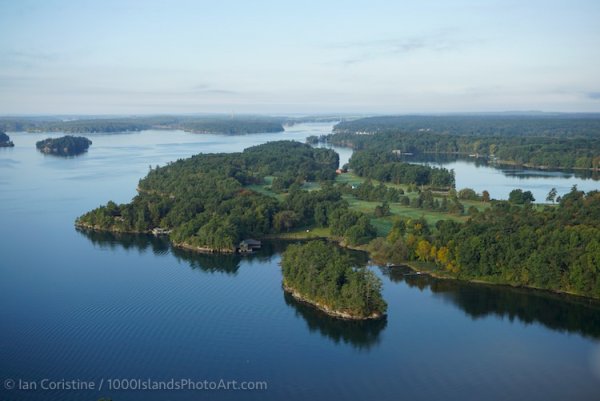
{"x":160,"y":231}
{"x":248,"y":245}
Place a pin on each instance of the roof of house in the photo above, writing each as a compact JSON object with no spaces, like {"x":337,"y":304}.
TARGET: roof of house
{"x":250,"y":242}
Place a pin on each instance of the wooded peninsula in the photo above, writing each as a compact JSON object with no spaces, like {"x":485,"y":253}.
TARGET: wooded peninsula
{"x":396,"y":212}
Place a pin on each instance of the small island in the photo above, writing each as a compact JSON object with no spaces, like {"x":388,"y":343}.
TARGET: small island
{"x":5,"y":141}
{"x":64,"y":146}
{"x":317,"y":273}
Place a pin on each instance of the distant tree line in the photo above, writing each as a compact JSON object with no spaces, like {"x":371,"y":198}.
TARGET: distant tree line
{"x":201,"y":124}
{"x":538,"y":142}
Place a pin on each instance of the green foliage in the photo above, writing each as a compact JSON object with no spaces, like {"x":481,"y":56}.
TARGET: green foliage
{"x":5,"y":141}
{"x":369,"y":192}
{"x":324,"y":275}
{"x":550,"y":141}
{"x":205,"y":201}
{"x":64,"y":146}
{"x":352,"y":225}
{"x":201,"y":124}
{"x":385,"y":166}
{"x":555,"y":248}
{"x":382,"y":210}
{"x":520,"y":197}
{"x":468,"y":194}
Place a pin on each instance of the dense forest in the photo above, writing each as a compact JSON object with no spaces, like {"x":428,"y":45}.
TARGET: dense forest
{"x":206,"y":202}
{"x":64,"y":146}
{"x":320,"y":274}
{"x":556,"y":248}
{"x":386,"y":167}
{"x":210,"y":202}
{"x":5,"y":141}
{"x":547,"y":125}
{"x":200,"y":124}
{"x":550,"y":142}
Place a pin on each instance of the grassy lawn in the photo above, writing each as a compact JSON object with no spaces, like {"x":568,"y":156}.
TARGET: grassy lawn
{"x":481,"y":206}
{"x":266,"y":190}
{"x":313,"y":233}
{"x":311,"y":186}
{"x":383,"y":224}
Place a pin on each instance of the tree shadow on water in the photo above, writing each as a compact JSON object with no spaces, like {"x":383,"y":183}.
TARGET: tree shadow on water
{"x":360,"y":334}
{"x":558,"y":312}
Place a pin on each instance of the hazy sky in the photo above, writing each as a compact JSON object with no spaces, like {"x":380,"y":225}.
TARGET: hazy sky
{"x":371,"y":56}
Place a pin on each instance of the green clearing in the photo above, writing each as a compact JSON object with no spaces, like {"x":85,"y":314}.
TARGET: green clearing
{"x":383,"y":224}
{"x":313,"y":233}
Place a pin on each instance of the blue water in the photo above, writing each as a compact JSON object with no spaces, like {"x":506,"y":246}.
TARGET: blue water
{"x":94,"y":307}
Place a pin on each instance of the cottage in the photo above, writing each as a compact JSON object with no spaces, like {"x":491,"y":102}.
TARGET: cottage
{"x":248,"y":245}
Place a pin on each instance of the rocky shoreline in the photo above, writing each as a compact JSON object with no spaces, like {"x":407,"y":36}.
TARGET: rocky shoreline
{"x":331,"y":312}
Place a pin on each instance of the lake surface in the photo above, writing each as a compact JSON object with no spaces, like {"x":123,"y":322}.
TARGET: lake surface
{"x":500,"y":180}
{"x":94,"y":306}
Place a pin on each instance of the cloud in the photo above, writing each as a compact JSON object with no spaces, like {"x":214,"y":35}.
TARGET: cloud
{"x":593,"y":95}
{"x":204,"y":88}
{"x":22,"y":58}
{"x":438,"y":41}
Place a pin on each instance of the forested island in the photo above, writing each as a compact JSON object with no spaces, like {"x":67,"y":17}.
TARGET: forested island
{"x":210,"y":202}
{"x":198,"y":124}
{"x":64,"y":146}
{"x":550,"y":142}
{"x":319,"y":274}
{"x":5,"y":141}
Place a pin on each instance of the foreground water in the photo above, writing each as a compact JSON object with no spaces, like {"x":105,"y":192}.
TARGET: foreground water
{"x":84,"y":306}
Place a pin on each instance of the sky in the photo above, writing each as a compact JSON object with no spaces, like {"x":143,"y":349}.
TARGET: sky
{"x":300,"y":57}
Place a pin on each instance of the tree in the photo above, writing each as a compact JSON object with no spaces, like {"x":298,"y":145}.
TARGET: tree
{"x":551,"y":195}
{"x":423,"y":250}
{"x":520,"y":197}
{"x":467,"y":194}
{"x":284,"y":220}
{"x":382,"y":210}
{"x":485,"y":196}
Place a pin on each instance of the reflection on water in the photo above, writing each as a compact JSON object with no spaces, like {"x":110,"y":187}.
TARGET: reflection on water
{"x":359,"y":334}
{"x":557,"y":312}
{"x":207,"y":262}
{"x":90,"y":305}
{"x":141,"y":242}
{"x":506,"y":169}
{"x":561,"y":313}
{"x":362,"y":335}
